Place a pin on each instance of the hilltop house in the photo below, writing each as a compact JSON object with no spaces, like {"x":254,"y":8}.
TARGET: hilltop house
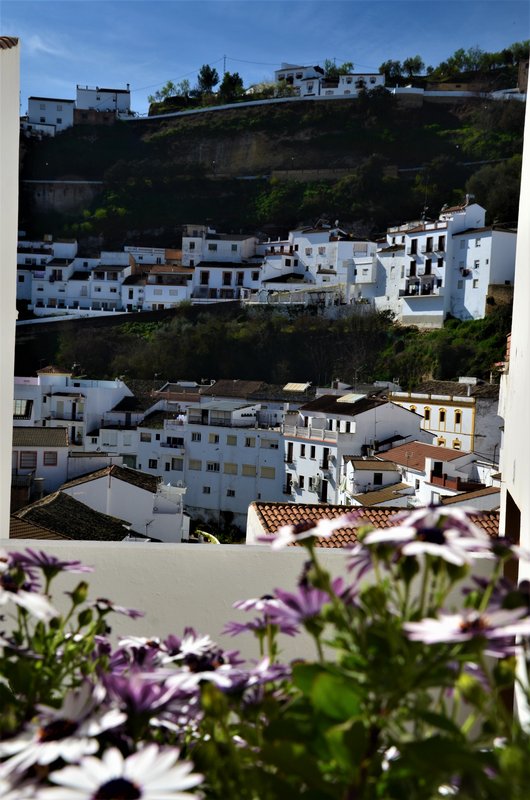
{"x":311,"y":81}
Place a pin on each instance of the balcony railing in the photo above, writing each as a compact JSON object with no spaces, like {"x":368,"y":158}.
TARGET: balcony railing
{"x":456,"y":483}
{"x":319,"y":434}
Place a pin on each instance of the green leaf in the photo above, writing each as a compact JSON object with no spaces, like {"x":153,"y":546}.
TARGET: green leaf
{"x":335,"y":696}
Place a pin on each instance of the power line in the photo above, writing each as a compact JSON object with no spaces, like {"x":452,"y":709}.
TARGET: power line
{"x":185,"y":75}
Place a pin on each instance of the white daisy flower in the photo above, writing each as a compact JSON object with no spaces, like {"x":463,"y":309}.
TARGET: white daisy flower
{"x":151,"y":774}
{"x":68,"y":732}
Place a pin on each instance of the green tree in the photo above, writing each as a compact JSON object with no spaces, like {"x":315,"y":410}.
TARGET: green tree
{"x":207,"y":78}
{"x":413,"y":66}
{"x":391,"y":69}
{"x":333,"y":70}
{"x":231,"y":87}
{"x":168,"y":90}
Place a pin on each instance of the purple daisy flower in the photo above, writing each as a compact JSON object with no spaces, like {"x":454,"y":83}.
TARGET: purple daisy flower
{"x":259,"y":625}
{"x":448,"y":628}
{"x":322,"y":529}
{"x":50,"y":564}
{"x":306,"y":603}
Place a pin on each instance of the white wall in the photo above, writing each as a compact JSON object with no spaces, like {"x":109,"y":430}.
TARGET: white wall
{"x":9,"y":139}
{"x":51,"y":111}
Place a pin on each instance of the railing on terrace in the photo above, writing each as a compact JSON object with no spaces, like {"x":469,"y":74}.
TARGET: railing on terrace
{"x":65,"y":416}
{"x":178,"y":447}
{"x":454,"y":482}
{"x":22,"y":481}
{"x":320,"y":434}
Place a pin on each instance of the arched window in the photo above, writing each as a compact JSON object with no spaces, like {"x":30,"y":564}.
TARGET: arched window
{"x":457,"y":444}
{"x":412,"y":408}
{"x":441,"y":418}
{"x":458,"y":419}
{"x":427,"y":416}
{"x":440,"y":441}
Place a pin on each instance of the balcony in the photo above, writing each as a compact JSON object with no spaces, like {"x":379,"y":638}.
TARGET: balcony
{"x":320,"y":435}
{"x":65,"y":416}
{"x":456,"y":483}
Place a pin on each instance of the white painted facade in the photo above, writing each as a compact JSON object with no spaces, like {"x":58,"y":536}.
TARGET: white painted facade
{"x":316,"y":443}
{"x":201,"y":244}
{"x":158,"y":515}
{"x":100,"y":99}
{"x":9,"y":167}
{"x":50,"y":115}
{"x":310,"y":81}
{"x":48,"y":464}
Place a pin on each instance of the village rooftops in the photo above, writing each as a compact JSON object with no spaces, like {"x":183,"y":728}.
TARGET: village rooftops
{"x":413,"y":454}
{"x":273,"y":516}
{"x":468,"y":497}
{"x":384,"y":495}
{"x":134,"y":477}
{"x":24,"y":529}
{"x":331,"y":404}
{"x":24,"y":436}
{"x":68,"y":517}
{"x":256,"y":390}
{"x":460,"y":388}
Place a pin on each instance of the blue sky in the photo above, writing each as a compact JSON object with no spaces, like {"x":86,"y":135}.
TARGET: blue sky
{"x":147,"y":42}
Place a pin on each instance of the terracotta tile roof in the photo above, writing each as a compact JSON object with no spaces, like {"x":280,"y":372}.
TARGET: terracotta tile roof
{"x":7,"y":42}
{"x":468,"y":497}
{"x":413,"y":454}
{"x":24,"y":436}
{"x":393,"y":492}
{"x":74,"y":520}
{"x":132,"y":476}
{"x":22,"y":529}
{"x":273,"y":515}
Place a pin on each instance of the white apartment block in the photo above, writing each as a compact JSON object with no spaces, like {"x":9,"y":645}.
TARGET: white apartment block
{"x":57,"y":399}
{"x":319,"y":437}
{"x":430,"y":269}
{"x":49,"y":115}
{"x":100,"y":99}
{"x":202,"y":244}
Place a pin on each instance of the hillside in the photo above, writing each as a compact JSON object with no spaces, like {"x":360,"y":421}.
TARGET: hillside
{"x":390,"y":160}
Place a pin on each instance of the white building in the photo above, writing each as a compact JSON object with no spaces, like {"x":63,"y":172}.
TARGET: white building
{"x":311,"y":81}
{"x":451,"y":265}
{"x":99,"y":99}
{"x":143,"y":500}
{"x":201,"y":243}
{"x":49,"y":115}
{"x":9,"y":167}
{"x":319,"y":437}
{"x":462,"y":415}
{"x":57,"y":399}
{"x":40,"y":459}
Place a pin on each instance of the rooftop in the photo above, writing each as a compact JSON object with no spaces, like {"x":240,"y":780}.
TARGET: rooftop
{"x":393,"y":492}
{"x":273,"y":515}
{"x":413,"y":454}
{"x":456,"y":388}
{"x":132,"y":476}
{"x":24,"y":436}
{"x":468,"y":497}
{"x":332,"y":404}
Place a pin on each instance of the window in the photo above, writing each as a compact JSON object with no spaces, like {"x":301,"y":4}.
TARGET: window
{"x":441,"y":441}
{"x":153,"y":463}
{"x":22,"y":409}
{"x":229,"y":468}
{"x":427,"y":414}
{"x":145,"y":437}
{"x":248,"y":470}
{"x":42,"y":119}
{"x":212,"y":466}
{"x":49,"y":458}
{"x":28,"y":459}
{"x":301,"y":481}
{"x":412,"y":408}
{"x":476,"y":264}
{"x":416,"y":484}
{"x":302,"y":451}
{"x":255,"y":276}
{"x":435,"y":497}
{"x":309,"y":251}
{"x":157,"y":437}
{"x":321,"y":251}
{"x":441,"y":418}
{"x":59,"y":120}
{"x":378,"y":478}
{"x":227,"y":278}
{"x":269,"y":444}
{"x":230,"y":493}
{"x":167,"y":466}
{"x":206,"y":490}
{"x":234,"y":248}
{"x":457,"y":444}
{"x":212,"y":247}
{"x":440,"y":263}
{"x":270,"y":472}
{"x":475,"y":283}
{"x":477,"y":242}
{"x":177,"y":464}
{"x":458,"y":417}
{"x":195,"y":436}
{"x":313,"y":451}
{"x":195,"y":463}
{"x":231,"y":440}
{"x":42,"y":106}
{"x":213,"y":438}
{"x":191,"y":246}
{"x":250,"y":441}
{"x":204,"y":278}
